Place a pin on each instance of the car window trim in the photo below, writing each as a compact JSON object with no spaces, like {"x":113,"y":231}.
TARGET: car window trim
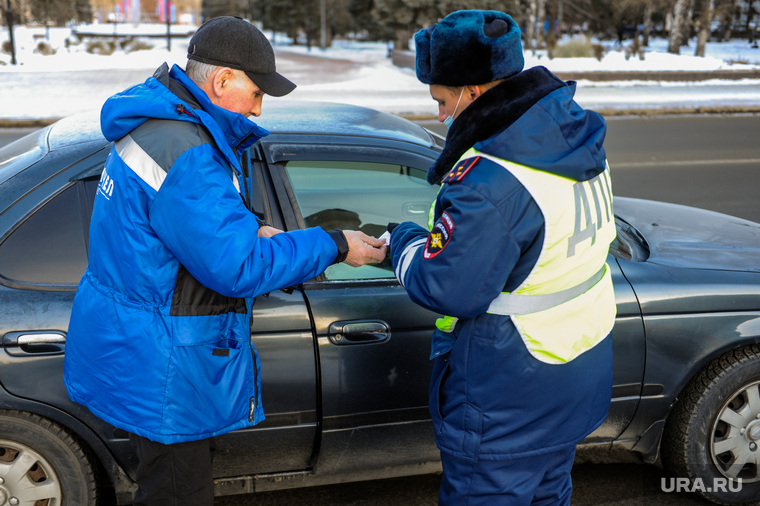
{"x":323,"y":152}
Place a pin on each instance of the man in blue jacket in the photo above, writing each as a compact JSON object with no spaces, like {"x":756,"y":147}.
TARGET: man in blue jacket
{"x":515,"y":256}
{"x":159,"y":338}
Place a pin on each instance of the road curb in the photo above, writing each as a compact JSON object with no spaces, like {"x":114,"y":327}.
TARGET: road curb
{"x":669,"y":111}
{"x":26,"y":123}
{"x":659,"y":75}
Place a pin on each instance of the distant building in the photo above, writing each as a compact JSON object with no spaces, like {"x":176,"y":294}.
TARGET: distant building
{"x":146,"y":11}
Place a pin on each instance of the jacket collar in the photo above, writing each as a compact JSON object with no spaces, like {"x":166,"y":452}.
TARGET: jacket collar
{"x":493,"y":112}
{"x":239,"y":132}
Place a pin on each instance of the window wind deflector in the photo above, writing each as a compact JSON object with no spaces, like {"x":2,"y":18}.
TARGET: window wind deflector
{"x":629,"y":244}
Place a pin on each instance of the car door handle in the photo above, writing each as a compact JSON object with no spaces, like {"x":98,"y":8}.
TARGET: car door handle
{"x":415,"y":208}
{"x":358,"y":332}
{"x":21,"y":343}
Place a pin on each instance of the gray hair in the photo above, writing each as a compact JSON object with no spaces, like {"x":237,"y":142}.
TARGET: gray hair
{"x":199,"y":72}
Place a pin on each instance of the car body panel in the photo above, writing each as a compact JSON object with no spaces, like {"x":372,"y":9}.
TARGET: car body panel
{"x":690,"y":238}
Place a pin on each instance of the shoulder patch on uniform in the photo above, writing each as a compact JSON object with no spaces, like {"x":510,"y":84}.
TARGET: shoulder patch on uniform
{"x":439,"y":237}
{"x":460,"y":170}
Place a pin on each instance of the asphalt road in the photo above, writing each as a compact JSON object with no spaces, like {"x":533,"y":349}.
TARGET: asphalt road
{"x":707,"y":161}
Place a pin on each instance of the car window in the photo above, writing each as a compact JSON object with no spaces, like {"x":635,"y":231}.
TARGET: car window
{"x":362,"y":196}
{"x":49,"y":247}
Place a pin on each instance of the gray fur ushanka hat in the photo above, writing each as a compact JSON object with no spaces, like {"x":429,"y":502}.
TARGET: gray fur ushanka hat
{"x":469,"y":47}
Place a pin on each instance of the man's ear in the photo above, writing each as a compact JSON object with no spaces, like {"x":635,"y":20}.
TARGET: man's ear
{"x":220,"y":80}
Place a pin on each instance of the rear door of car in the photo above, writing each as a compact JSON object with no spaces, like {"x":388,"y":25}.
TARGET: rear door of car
{"x":373,"y":342}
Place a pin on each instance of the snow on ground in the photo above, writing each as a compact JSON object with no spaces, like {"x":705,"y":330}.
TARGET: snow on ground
{"x":43,"y":86}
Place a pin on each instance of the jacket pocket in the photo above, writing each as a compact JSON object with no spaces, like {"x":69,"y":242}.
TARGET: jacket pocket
{"x":436,"y":394}
{"x":473,"y":431}
{"x":208,"y":387}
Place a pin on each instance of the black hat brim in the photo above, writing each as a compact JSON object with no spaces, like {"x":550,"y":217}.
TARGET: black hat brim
{"x":273,"y":84}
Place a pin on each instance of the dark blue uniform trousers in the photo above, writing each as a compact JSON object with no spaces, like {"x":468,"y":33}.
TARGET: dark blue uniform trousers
{"x":540,"y":480}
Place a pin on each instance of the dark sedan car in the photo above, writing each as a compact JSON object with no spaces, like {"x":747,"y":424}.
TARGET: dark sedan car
{"x":345,"y":356}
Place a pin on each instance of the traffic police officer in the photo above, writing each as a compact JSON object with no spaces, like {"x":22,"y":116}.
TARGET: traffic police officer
{"x":516,"y":256}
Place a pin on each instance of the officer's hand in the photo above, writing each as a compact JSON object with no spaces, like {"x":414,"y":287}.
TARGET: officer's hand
{"x":363,"y":249}
{"x":267,"y":231}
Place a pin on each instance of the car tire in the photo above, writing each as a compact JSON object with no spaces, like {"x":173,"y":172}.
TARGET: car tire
{"x":40,"y":460}
{"x":700,"y":444}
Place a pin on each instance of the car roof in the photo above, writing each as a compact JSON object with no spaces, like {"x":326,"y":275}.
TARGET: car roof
{"x":76,"y":129}
{"x":280,"y":116}
{"x":327,"y":118}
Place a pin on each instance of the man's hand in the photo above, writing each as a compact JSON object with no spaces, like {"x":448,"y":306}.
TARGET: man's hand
{"x":267,"y":231}
{"x":363,"y":249}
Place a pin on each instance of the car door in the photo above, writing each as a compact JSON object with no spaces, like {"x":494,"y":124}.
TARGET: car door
{"x":373,"y":342}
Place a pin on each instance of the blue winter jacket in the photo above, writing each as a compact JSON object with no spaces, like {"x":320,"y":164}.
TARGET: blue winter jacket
{"x":489,"y":398}
{"x":159,"y":339}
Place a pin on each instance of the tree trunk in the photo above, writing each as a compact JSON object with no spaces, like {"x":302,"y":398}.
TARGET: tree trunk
{"x":705,"y":20}
{"x":529,"y":30}
{"x":726,"y":16}
{"x":648,"y":11}
{"x":540,"y":19}
{"x":401,"y":40}
{"x":679,"y":27}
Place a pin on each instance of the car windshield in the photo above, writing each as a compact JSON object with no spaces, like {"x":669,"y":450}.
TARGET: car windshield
{"x":629,"y":243}
{"x":20,"y":154}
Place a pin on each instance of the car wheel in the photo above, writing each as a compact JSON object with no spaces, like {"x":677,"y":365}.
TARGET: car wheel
{"x":713,"y":434}
{"x":41,"y":463}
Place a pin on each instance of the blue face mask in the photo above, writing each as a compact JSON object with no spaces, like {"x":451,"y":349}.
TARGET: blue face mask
{"x":450,"y":119}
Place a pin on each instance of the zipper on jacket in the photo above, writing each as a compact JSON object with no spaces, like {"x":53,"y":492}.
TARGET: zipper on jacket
{"x":255,"y":399}
{"x":181,"y":109}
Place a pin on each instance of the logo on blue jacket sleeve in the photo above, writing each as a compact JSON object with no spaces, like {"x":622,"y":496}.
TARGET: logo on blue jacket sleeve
{"x":439,"y":237}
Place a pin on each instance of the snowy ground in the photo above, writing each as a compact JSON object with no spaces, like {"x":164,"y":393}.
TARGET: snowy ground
{"x":44,"y":86}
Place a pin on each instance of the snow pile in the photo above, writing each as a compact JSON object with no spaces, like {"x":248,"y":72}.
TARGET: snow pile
{"x":72,"y":79}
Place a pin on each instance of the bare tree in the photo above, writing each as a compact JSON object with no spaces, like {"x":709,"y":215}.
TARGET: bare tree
{"x":560,"y":18}
{"x":724,"y":12}
{"x":705,"y":21}
{"x":540,"y":20}
{"x":531,"y":24}
{"x":648,"y":12}
{"x":679,"y":26}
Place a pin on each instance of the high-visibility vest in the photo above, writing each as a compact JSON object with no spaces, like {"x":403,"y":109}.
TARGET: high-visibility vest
{"x":566,"y":304}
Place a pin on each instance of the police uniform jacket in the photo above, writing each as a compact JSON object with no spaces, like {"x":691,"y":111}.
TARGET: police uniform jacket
{"x":489,"y":397}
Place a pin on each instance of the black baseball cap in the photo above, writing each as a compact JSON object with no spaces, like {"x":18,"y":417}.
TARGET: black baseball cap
{"x":233,"y":42}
